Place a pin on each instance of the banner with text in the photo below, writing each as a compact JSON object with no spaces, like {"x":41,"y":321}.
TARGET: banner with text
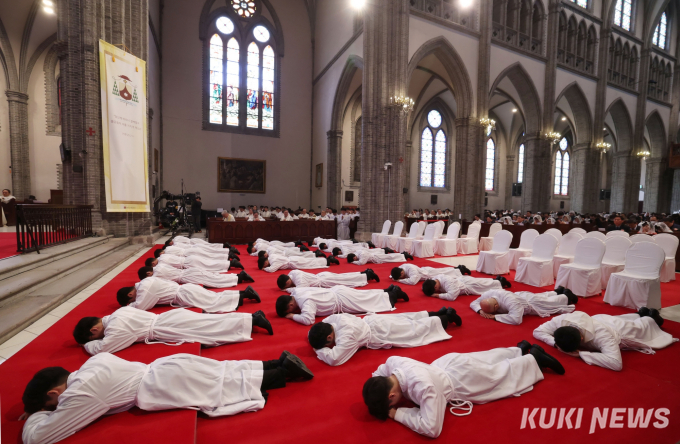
{"x":124,"y":132}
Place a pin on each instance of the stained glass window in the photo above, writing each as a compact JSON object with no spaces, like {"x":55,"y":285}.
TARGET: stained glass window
{"x":520,"y":164}
{"x":581,"y":3}
{"x":224,"y":25}
{"x":440,"y":159}
{"x":233,"y":79}
{"x":253,"y":84}
{"x":426,"y":158}
{"x":623,"y":13}
{"x":433,"y":153}
{"x":490,"y":164}
{"x":562,"y":169}
{"x":434,"y":118}
{"x":268,"y":88}
{"x":659,"y":38}
{"x":261,"y":34}
{"x":216,"y":79}
{"x":244,"y":8}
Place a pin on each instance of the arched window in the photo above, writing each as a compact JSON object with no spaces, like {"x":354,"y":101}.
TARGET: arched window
{"x":562,"y":168}
{"x":433,"y":152}
{"x":520,"y":164}
{"x":581,"y":3}
{"x":660,"y":31}
{"x":623,"y":13}
{"x":490,"y":164}
{"x":242,"y":86}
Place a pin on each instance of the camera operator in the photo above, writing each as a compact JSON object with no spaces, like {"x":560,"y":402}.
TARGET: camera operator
{"x":196,"y":213}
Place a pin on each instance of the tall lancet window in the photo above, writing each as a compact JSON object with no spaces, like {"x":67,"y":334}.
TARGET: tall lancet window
{"x":660,"y":32}
{"x":623,"y":13}
{"x":490,"y":165}
{"x":216,"y":80}
{"x":562,"y":168}
{"x":433,"y":152}
{"x":520,"y":164}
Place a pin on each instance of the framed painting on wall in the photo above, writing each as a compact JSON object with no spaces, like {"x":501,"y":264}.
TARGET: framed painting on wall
{"x":156,"y":160}
{"x":319,"y":175}
{"x":349,"y":196}
{"x":241,"y":175}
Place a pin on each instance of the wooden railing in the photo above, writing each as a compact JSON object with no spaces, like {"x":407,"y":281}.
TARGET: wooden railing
{"x":43,"y":225}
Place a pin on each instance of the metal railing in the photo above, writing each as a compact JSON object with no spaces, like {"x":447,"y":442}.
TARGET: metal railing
{"x":43,"y":225}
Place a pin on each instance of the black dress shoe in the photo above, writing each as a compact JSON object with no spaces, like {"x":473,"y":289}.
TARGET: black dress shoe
{"x":295,"y":368}
{"x":544,"y":360}
{"x":370,"y":275}
{"x":504,"y":282}
{"x":452,"y":316}
{"x":234,"y":251}
{"x":260,"y":320}
{"x":250,"y":293}
{"x":390,"y":288}
{"x":407,"y":256}
{"x":226,"y":245}
{"x":388,"y":250}
{"x":525,"y":346}
{"x":654,"y":314}
{"x":235,"y":263}
{"x":560,"y":290}
{"x":370,"y":244}
{"x":571,"y":297}
{"x":464,"y":270}
{"x":245,"y":277}
{"x":644,"y":311}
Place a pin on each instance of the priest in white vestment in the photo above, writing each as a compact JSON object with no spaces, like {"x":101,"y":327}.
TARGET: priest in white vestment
{"x":196,"y":276}
{"x":509,"y":308}
{"x":409,"y":274}
{"x":343,"y":225}
{"x":376,"y":256}
{"x":198,"y":251}
{"x":449,"y":288}
{"x":276,"y":262}
{"x":325,"y":279}
{"x":200,"y":262}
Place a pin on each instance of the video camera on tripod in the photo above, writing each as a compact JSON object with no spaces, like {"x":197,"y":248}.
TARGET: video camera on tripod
{"x":174,"y":214}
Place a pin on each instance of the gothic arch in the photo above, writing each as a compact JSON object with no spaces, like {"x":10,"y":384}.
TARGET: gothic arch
{"x":583,"y":126}
{"x":623,"y":125}
{"x":354,"y":62}
{"x":657,"y":134}
{"x":528,"y":95}
{"x":455,"y":68}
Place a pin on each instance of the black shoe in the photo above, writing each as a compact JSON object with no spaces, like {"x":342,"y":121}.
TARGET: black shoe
{"x":452,"y":316}
{"x":654,"y":314}
{"x":333,"y":260}
{"x":388,"y":250}
{"x":644,"y":311}
{"x":245,"y":277}
{"x":226,"y":245}
{"x":504,"y":282}
{"x":260,"y":320}
{"x":525,"y":346}
{"x":544,"y":360}
{"x":235,"y":263}
{"x":560,"y":290}
{"x":370,"y":244}
{"x":407,"y":256}
{"x":297,"y":243}
{"x":370,"y":275}
{"x":390,"y":288}
{"x":233,"y":250}
{"x":399,"y":293}
{"x":571,"y":297}
{"x":354,"y":241}
{"x":303,"y":248}
{"x":295,"y":368}
{"x":250,"y":293}
{"x":319,"y":253}
{"x":464,"y":270}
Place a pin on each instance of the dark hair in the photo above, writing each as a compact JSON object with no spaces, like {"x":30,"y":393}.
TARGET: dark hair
{"x":261,"y":253}
{"x":567,"y":338}
{"x":141,"y":273}
{"x":8,"y":190}
{"x":318,"y":334}
{"x":250,"y":248}
{"x":149,"y":262}
{"x":123,"y":297}
{"x":260,"y":262}
{"x":282,"y":305}
{"x":428,"y":287}
{"x":282,"y":280}
{"x":157,"y":253}
{"x":322,"y":246}
{"x":82,"y":331}
{"x":376,"y":394}
{"x":167,"y":242}
{"x":35,"y":394}
{"x":351,"y":258}
{"x":396,"y":273}
{"x":337,"y":251}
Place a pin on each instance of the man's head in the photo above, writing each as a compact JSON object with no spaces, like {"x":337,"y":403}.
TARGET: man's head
{"x":323,"y":213}
{"x":286,"y":214}
{"x":250,"y":248}
{"x":321,"y":335}
{"x":489,"y":306}
{"x":567,"y":338}
{"x":42,"y":392}
{"x":337,"y":251}
{"x":6,"y":192}
{"x":225,"y":214}
{"x":144,"y":272}
{"x":618,"y":220}
{"x":151,"y":262}
{"x":168,"y":243}
{"x":430,"y":287}
{"x":380,"y":394}
{"x":285,"y":304}
{"x":88,"y":329}
{"x":283,"y":281}
{"x":126,"y":295}
{"x":157,"y":252}
{"x":397,"y":273}
{"x":322,"y":246}
{"x":304,"y":211}
{"x":262,"y":253}
{"x":351,"y":258}
{"x":262,"y":262}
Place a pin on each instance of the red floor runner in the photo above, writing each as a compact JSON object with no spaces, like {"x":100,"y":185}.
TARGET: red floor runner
{"x":8,"y":245}
{"x":330,"y":406}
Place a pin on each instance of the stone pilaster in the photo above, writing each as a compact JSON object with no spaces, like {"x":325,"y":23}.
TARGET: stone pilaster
{"x":625,"y":192}
{"x":509,"y":180}
{"x":536,"y":187}
{"x":334,"y":173}
{"x":468,"y":196}
{"x":585,"y":178}
{"x":18,"y":144}
{"x":675,"y":191}
{"x":657,"y":184}
{"x":383,"y":127}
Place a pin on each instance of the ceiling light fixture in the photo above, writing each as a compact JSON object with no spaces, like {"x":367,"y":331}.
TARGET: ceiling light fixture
{"x":563,"y":119}
{"x":357,"y":4}
{"x":514,"y":110}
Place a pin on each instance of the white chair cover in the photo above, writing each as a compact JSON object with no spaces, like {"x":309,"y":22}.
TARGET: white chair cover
{"x":406,"y":242}
{"x":469,"y":244}
{"x":425,"y":247}
{"x":449,"y":245}
{"x":578,"y":230}
{"x":392,"y":241}
{"x":497,"y":260}
{"x":375,"y":237}
{"x":537,"y":270}
{"x":617,"y":233}
{"x":565,"y":251}
{"x":478,"y":222}
{"x":614,"y":257}
{"x":583,"y":277}
{"x":526,"y":242}
{"x":596,"y":234}
{"x":669,"y":243}
{"x":557,"y":234}
{"x":486,"y":243}
{"x":641,"y":238}
{"x":638,"y":285}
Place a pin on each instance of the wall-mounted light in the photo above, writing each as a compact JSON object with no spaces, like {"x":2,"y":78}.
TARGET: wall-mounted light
{"x":402,"y":103}
{"x":514,"y":110}
{"x":465,"y":3}
{"x":553,"y":137}
{"x":604,"y":146}
{"x":490,"y":124}
{"x":564,"y":119}
{"x":643,"y":154}
{"x":48,"y":6}
{"x":357,"y":4}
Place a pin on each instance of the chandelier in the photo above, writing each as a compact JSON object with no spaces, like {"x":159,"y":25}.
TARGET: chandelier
{"x":553,"y":137}
{"x":643,"y":154}
{"x":402,"y":103}
{"x":490,"y":124}
{"x":604,"y":146}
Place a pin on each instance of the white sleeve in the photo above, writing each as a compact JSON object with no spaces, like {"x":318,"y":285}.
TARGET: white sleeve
{"x":545,"y":331}
{"x":427,"y":420}
{"x":115,"y":340}
{"x":145,"y":303}
{"x":337,"y":355}
{"x":514,"y":315}
{"x":277,"y":265}
{"x":382,"y":371}
{"x":308,"y":314}
{"x":609,"y":356}
{"x":411,"y":280}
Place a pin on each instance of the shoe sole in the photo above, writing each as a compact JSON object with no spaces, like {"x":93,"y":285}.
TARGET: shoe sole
{"x":298,"y":363}
{"x":552,"y":363}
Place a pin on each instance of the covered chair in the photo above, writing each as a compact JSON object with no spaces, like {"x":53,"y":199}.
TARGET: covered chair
{"x":578,"y":230}
{"x":375,"y":237}
{"x":641,"y":238}
{"x":392,"y":241}
{"x":583,"y":277}
{"x":537,"y":270}
{"x":449,"y":245}
{"x":614,"y":257}
{"x":406,"y":242}
{"x":470,"y":243}
{"x":425,"y":247}
{"x":669,"y":243}
{"x":486,"y":243}
{"x":596,"y":234}
{"x":565,"y":251}
{"x":526,"y":241}
{"x":496,"y":261}
{"x":617,"y":233}
{"x":638,"y":285}
{"x":473,"y":222}
{"x":557,"y":234}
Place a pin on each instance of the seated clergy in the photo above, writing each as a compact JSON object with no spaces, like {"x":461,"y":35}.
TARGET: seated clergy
{"x":599,"y":339}
{"x":286,"y":217}
{"x":325,"y":279}
{"x":509,"y":308}
{"x":448,"y":288}
{"x":255,"y":217}
{"x":274,"y":263}
{"x":339,"y":336}
{"x":194,"y":276}
{"x":154,"y":291}
{"x":453,"y":382}
{"x":227,"y":217}
{"x":410,"y":274}
{"x":128,"y":325}
{"x":305,"y":303}
{"x":59,"y":403}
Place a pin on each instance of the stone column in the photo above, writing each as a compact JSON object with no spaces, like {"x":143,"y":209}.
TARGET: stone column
{"x":585,"y":178}
{"x":468,"y":196}
{"x":407,"y":176}
{"x":383,"y":128}
{"x":656,"y":186}
{"x":675,"y":192}
{"x":509,"y":180}
{"x":18,"y":144}
{"x":334,"y":173}
{"x":536,"y":186}
{"x":625,"y":183}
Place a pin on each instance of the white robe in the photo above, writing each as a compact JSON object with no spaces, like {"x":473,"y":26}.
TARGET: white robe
{"x":452,"y":287}
{"x":354,"y":248}
{"x":128,"y":325}
{"x":201,"y":262}
{"x":274,"y":242}
{"x":415,"y":274}
{"x":282,"y":251}
{"x":252,"y":218}
{"x":326,"y":279}
{"x":374,"y":256}
{"x":198,"y":251}
{"x":277,"y":262}
{"x":185,"y":242}
{"x":478,"y":377}
{"x":339,"y":299}
{"x":154,"y":291}
{"x":107,"y":384}
{"x":196,"y":276}
{"x":343,"y":227}
{"x":513,"y":306}
{"x":604,"y":336}
{"x":403,"y":330}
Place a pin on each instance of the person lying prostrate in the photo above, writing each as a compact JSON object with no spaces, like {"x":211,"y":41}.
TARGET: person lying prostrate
{"x":339,"y":336}
{"x":326,"y":279}
{"x":275,"y":263}
{"x":509,"y":308}
{"x":154,"y":291}
{"x":200,"y":262}
{"x":305,"y":303}
{"x":128,"y":325}
{"x":345,"y":250}
{"x":223,"y":255}
{"x":377,"y":256}
{"x":270,"y":250}
{"x":409,"y":274}
{"x":454,"y":381}
{"x":197,"y":242}
{"x":449,"y":288}
{"x":59,"y":403}
{"x":194,"y":276}
{"x":599,"y":339}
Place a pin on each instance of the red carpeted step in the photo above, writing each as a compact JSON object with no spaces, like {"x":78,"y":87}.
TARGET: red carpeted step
{"x":8,"y":245}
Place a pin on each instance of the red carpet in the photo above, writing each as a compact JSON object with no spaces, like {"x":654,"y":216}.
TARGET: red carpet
{"x":8,"y":245}
{"x":331,"y":403}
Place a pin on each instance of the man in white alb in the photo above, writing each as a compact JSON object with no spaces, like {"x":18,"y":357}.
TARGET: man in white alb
{"x":509,"y":308}
{"x":449,"y":288}
{"x":241,"y":212}
{"x":343,"y":225}
{"x":255,"y":217}
{"x":410,"y":274}
{"x":326,"y":279}
{"x":216,"y":266}
{"x":194,"y":276}
{"x":286,"y":217}
{"x":376,"y":256}
{"x":276,"y":262}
